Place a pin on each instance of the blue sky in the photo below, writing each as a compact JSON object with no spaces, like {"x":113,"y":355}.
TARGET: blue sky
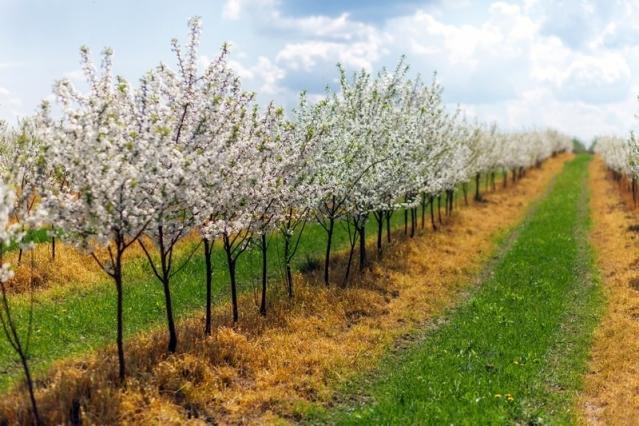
{"x":532,"y":63}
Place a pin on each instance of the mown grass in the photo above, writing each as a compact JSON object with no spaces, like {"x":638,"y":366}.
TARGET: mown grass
{"x":516,"y":351}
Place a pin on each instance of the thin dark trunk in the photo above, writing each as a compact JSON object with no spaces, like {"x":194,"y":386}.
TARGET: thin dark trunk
{"x":169,"y":315}
{"x":423,"y":210}
{"x":413,"y":222}
{"x":231,"y":264}
{"x":289,"y":277}
{"x":379,"y":218}
{"x":439,"y":208}
{"x":405,"y":220}
{"x":165,"y":278}
{"x":477,"y":194}
{"x":505,"y":178}
{"x":327,"y":259}
{"x":451,"y":201}
{"x":117,"y":276}
{"x":11,"y":332}
{"x":388,"y":226}
{"x":432,"y":213}
{"x":363,"y":261}
{"x":52,"y":248}
{"x":287,"y":261}
{"x":350,"y":257}
{"x":208,"y":249}
{"x":465,"y":191}
{"x":263,"y":247}
{"x":493,"y":181}
{"x":447,"y":203}
{"x":27,"y":375}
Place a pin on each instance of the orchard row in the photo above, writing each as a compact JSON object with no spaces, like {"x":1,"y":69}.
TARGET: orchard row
{"x":187,"y":150}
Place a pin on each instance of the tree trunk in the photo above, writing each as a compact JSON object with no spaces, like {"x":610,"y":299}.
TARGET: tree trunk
{"x":432,"y":213}
{"x":379,"y":218}
{"x":350,"y":258}
{"x":413,"y":221}
{"x":465,"y":191}
{"x":327,"y":259}
{"x":439,"y":208}
{"x":11,"y":333}
{"x":447,"y":203}
{"x":27,"y":374}
{"x":362,"y":245}
{"x":52,"y":248}
{"x":169,"y":315}
{"x":231,"y":263}
{"x":208,"y":250}
{"x":423,"y":210}
{"x":287,"y":262}
{"x":165,"y":279}
{"x":451,"y":201}
{"x":117,"y":276}
{"x":388,"y":226}
{"x":264,"y":273}
{"x":405,"y":217}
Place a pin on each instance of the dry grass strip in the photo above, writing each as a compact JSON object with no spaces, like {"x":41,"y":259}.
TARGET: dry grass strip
{"x":611,"y":388}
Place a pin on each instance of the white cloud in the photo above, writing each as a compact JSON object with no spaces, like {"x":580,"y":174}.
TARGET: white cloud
{"x":264,"y":75}
{"x":269,"y":74}
{"x":10,"y":105}
{"x":325,"y":40}
{"x":232,"y":9}
{"x":243,"y":72}
{"x":306,"y":55}
{"x":564,"y":63}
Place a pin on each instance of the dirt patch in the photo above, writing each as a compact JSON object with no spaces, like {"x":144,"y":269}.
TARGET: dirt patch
{"x":265,"y":369}
{"x":611,"y":387}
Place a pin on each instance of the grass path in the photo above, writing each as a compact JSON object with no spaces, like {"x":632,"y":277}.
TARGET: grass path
{"x":515,"y":352}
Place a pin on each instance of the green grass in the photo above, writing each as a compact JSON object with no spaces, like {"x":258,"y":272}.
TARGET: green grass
{"x":515,"y":352}
{"x":81,"y":319}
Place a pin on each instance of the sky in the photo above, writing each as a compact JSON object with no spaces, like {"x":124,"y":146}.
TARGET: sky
{"x":525,"y":64}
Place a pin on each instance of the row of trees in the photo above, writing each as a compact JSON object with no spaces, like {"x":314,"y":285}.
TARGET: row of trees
{"x":187,"y":150}
{"x":621,"y":156}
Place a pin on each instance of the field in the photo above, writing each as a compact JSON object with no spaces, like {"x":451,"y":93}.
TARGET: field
{"x":178,"y":249}
{"x":463,"y":310}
